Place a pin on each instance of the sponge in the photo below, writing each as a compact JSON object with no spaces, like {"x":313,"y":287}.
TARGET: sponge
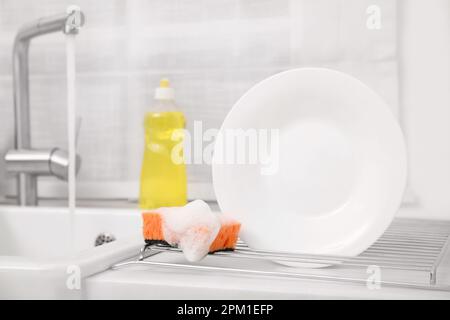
{"x":194,"y":228}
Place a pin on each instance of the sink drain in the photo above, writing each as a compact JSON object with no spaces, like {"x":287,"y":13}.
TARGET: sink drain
{"x":103,"y":238}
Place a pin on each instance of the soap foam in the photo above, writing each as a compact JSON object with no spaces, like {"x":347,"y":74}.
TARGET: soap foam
{"x":192,"y":228}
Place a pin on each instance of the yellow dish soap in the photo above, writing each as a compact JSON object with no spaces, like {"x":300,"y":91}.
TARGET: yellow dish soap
{"x":163,"y":175}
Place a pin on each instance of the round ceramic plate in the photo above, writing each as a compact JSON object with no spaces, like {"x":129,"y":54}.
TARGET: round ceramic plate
{"x":330,"y":169}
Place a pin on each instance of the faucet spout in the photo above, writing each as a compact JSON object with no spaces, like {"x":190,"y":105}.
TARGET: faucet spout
{"x":69,"y":22}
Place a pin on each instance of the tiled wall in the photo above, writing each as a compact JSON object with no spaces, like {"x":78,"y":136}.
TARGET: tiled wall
{"x":213,"y":51}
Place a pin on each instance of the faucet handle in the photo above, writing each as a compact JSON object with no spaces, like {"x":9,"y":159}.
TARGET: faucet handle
{"x":59,"y":164}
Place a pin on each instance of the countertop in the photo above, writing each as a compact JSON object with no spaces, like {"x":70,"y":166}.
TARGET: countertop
{"x":150,"y":282}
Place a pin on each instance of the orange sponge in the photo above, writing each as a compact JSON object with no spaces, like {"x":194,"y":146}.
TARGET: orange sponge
{"x":226,"y":238}
{"x":152,"y":226}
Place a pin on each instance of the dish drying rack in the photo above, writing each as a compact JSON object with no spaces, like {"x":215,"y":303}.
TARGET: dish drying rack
{"x":408,"y":254}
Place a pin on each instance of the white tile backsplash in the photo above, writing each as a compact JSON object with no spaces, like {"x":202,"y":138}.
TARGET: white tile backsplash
{"x":213,"y":51}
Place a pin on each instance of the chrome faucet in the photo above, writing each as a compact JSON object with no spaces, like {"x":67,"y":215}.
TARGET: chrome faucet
{"x":26,"y":162}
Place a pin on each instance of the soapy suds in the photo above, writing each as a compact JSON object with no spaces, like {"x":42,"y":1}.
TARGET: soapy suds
{"x":192,"y":228}
{"x":71,"y":134}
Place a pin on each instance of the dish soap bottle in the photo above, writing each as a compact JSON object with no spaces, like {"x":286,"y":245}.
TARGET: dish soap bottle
{"x":163,"y":175}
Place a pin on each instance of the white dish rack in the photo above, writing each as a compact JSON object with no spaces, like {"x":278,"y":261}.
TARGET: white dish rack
{"x":409,"y":254}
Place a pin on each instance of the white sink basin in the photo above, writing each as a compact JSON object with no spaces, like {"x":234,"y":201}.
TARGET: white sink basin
{"x":39,"y":260}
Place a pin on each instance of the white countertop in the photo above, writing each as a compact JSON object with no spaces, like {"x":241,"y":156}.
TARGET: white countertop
{"x":155,"y":282}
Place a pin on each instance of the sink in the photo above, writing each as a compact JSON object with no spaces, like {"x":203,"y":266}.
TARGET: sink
{"x":39,"y":260}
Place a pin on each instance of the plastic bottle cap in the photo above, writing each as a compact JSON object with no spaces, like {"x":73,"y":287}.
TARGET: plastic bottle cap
{"x":164,"y":91}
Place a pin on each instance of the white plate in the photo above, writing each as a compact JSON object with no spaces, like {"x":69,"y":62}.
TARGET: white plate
{"x":342,"y":165}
